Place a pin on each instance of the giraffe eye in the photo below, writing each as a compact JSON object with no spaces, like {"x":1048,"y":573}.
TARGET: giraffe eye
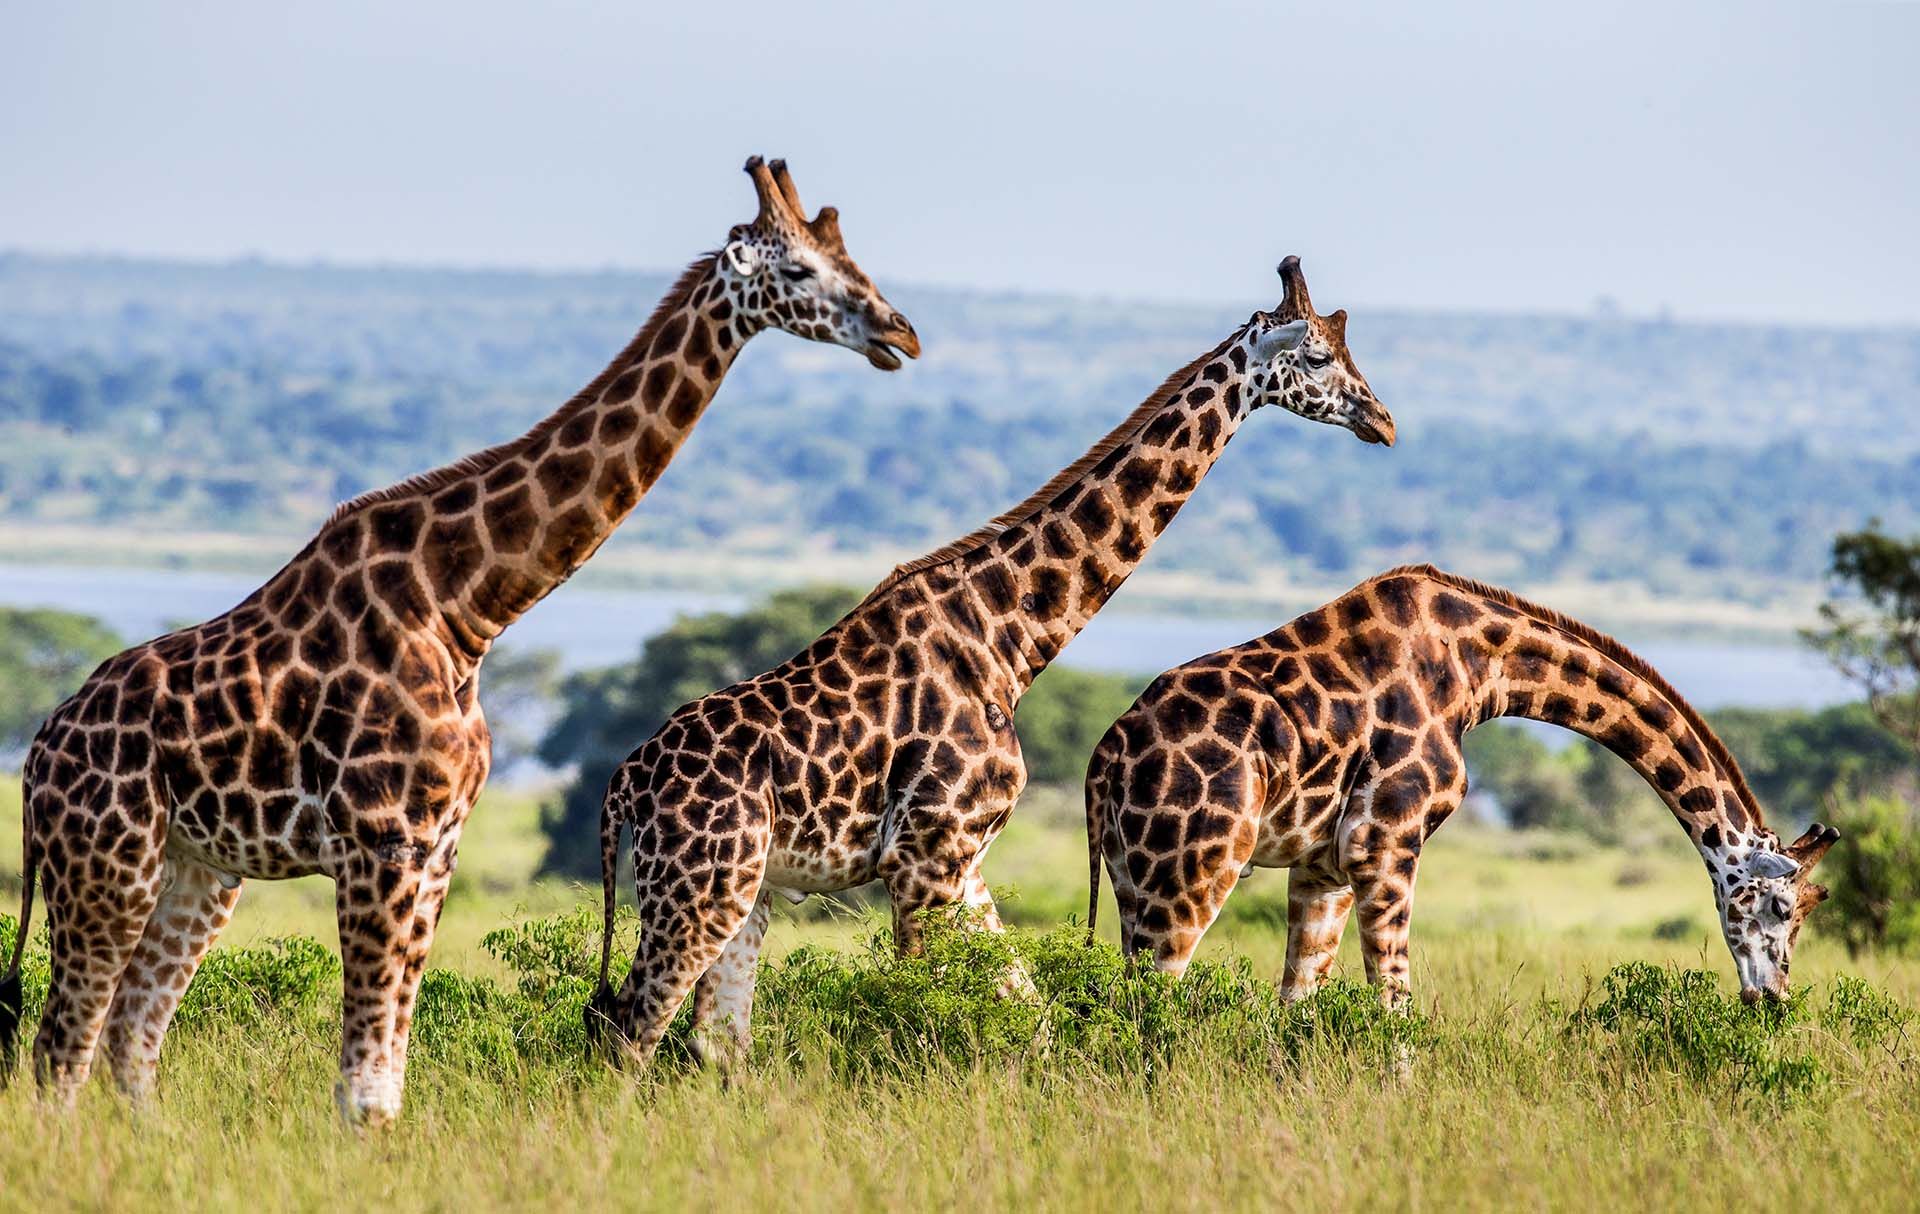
{"x":1782,"y":908}
{"x":796,"y":273}
{"x":1318,"y":358}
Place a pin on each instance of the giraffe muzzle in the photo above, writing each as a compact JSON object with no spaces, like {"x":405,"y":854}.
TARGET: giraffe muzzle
{"x":1370,"y":421}
{"x":894,"y":338}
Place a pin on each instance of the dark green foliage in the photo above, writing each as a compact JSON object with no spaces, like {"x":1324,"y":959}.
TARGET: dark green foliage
{"x":1865,"y":1015}
{"x":44,"y":657}
{"x":1796,"y":759}
{"x":1874,"y":875}
{"x":1672,"y":1020}
{"x":876,"y":1015}
{"x":293,"y":977}
{"x":34,"y":971}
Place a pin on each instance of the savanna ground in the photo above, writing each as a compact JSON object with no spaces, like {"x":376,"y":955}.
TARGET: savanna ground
{"x":1526,"y":1078}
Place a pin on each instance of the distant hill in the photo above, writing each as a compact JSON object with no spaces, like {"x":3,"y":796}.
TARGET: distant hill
{"x":1707,"y":461}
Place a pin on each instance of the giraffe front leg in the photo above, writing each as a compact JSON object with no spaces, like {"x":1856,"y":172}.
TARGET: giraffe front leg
{"x":1382,"y":879}
{"x":1016,"y":983}
{"x":1318,"y":902}
{"x":432,"y":899}
{"x":195,"y":904}
{"x":374,"y":900}
{"x":723,"y":1000}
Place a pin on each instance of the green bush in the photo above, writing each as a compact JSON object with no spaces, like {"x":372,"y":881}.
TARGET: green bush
{"x":874,"y":1017}
{"x":1674,"y":1020}
{"x":876,"y":1014}
{"x":288,"y":978}
{"x":1874,"y":873}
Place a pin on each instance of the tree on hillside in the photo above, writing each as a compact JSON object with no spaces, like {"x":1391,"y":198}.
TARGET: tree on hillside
{"x":1870,"y":628}
{"x":44,"y":657}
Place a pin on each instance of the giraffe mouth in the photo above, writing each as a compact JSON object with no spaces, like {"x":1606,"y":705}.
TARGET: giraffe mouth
{"x":883,"y":355}
{"x":1370,"y":422}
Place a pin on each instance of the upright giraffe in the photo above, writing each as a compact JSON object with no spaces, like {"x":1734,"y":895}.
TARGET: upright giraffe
{"x":1331,"y":746}
{"x":886,"y":750}
{"x":330,"y":723}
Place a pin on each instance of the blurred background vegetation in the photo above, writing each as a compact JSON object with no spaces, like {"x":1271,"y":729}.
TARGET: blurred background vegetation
{"x":250,"y":397}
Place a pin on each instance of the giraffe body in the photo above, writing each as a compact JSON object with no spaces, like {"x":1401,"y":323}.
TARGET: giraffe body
{"x":331,"y":722}
{"x":886,"y":750}
{"x":1331,"y":747}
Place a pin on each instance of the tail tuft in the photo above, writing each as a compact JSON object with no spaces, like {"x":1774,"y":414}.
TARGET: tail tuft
{"x":13,"y":1000}
{"x":12,"y":1003}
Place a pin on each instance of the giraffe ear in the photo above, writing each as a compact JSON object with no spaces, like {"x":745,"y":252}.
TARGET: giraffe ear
{"x":742,"y":258}
{"x":1280,"y":337}
{"x":1770,"y":864}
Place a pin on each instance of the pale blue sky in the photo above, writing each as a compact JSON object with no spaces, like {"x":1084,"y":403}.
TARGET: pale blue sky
{"x":1722,"y":161}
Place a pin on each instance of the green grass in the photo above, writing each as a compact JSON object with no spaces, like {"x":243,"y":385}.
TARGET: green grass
{"x":1540,"y":1074}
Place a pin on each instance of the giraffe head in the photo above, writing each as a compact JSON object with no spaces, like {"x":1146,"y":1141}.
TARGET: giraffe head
{"x":786,"y":271}
{"x":1301,"y":363}
{"x":1764,"y":896}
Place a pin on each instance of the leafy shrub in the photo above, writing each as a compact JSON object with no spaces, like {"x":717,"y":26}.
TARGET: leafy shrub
{"x":248,"y":987}
{"x":35,"y":970}
{"x":1874,"y":873}
{"x":1679,"y":1020}
{"x":880,"y":1015}
{"x":1864,"y":1014}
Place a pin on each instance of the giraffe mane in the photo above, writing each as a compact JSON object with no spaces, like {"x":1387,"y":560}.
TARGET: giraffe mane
{"x":1044,"y":495}
{"x":1611,"y":648}
{"x":491,"y":457}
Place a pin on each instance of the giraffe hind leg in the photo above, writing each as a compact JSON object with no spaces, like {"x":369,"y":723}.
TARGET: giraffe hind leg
{"x":1318,"y":904}
{"x":723,"y":999}
{"x":195,"y":905}
{"x":694,"y":895}
{"x":98,"y":904}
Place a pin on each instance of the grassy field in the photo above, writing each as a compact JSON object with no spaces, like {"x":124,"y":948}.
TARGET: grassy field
{"x":1512,"y":1096}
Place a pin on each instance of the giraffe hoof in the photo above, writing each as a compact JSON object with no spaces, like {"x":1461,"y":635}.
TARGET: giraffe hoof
{"x":366,"y":1111}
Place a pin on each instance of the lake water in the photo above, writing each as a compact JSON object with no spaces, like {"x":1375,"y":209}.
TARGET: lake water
{"x":592,"y":627}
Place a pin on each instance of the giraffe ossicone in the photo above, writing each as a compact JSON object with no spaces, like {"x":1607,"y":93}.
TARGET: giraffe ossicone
{"x":886,"y":749}
{"x":1331,"y":747}
{"x":331,"y":722}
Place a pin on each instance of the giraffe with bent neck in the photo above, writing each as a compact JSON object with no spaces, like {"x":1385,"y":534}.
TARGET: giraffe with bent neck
{"x":1331,"y":747}
{"x":331,"y":723}
{"x":886,"y":750}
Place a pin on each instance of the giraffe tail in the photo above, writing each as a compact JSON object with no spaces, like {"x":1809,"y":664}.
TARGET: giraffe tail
{"x":599,"y":1011}
{"x":12,"y":997}
{"x":1095,"y":830}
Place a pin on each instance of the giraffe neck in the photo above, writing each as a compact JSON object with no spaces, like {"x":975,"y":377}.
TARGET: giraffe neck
{"x":1043,"y":570}
{"x":1537,"y":665}
{"x":495,"y":533}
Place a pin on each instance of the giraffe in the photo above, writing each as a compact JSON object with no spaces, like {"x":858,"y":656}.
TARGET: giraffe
{"x":886,"y":749}
{"x":330,"y":723}
{"x":1331,"y":747}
